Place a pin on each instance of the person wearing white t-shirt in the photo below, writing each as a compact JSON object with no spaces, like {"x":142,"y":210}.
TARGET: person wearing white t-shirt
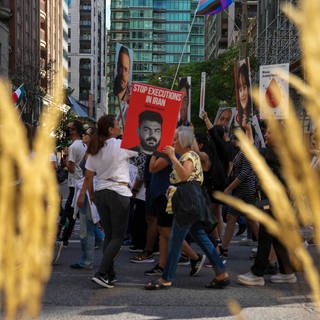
{"x":76,"y":152}
{"x":110,"y":163}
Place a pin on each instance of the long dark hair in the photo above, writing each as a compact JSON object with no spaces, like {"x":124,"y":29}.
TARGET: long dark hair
{"x":244,"y":72}
{"x":98,"y":139}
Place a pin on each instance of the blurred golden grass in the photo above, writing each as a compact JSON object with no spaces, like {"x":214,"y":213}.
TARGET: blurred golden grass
{"x":28,"y":209}
{"x":303,"y":181}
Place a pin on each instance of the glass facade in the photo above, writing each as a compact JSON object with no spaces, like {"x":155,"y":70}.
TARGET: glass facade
{"x":156,"y":30}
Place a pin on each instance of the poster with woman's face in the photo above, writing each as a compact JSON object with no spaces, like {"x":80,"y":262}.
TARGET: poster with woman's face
{"x":242,"y":80}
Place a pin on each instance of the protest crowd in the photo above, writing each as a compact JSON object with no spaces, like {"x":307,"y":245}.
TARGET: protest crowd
{"x":160,"y":202}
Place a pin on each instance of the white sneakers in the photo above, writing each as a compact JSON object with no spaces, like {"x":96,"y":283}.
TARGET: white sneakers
{"x":283,"y":278}
{"x":249,"y":279}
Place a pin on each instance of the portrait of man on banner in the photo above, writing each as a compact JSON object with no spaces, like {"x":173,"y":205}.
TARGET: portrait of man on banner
{"x":224,"y":117}
{"x":185,"y":110}
{"x":123,"y":72}
{"x":242,"y":79}
{"x":152,"y":118}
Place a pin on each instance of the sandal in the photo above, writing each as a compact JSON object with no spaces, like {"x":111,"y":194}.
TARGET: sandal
{"x":224,"y":252}
{"x":156,"y":285}
{"x":218,"y":284}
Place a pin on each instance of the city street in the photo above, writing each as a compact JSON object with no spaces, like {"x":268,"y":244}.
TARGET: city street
{"x":70,"y":294}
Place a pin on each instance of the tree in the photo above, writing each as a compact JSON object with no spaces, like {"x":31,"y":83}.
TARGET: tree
{"x":219,"y":82}
{"x":61,"y":130}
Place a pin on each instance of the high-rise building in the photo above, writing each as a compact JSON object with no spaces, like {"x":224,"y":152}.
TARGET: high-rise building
{"x":5,"y":15}
{"x":277,"y":35}
{"x":224,"y":29}
{"x":31,"y":48}
{"x":86,"y":49}
{"x":157,"y":31}
{"x":54,"y":17}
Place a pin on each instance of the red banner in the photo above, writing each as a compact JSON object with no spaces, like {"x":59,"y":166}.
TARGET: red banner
{"x":152,"y":118}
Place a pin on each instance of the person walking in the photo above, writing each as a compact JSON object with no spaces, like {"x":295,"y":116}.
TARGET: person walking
{"x":89,"y":216}
{"x":110,"y":163}
{"x":76,"y":152}
{"x":190,"y":211}
{"x":160,"y":168}
{"x":265,"y":241}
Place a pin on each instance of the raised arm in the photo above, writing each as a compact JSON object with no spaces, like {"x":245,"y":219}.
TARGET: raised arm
{"x":184,"y":170}
{"x":206,"y":120}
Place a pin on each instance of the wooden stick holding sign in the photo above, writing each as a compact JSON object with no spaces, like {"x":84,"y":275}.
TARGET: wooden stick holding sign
{"x":202,"y":94}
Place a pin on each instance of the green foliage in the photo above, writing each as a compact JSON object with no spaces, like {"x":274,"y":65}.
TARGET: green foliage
{"x":61,"y":131}
{"x":219,"y":82}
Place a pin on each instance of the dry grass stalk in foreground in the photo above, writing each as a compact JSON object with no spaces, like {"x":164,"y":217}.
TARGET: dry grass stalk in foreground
{"x":29,"y":206}
{"x":303,"y":181}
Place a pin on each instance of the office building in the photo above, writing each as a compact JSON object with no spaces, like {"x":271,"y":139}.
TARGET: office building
{"x":223,"y":30}
{"x":86,"y":50}
{"x":157,"y":31}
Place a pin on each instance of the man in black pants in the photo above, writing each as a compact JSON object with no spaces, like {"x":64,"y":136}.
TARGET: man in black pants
{"x":76,"y":153}
{"x":255,"y":276}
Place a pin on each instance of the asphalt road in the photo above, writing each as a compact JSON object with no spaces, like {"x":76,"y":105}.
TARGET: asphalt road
{"x":70,"y":294}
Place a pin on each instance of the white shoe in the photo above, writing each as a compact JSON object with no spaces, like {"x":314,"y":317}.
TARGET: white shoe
{"x":245,"y":242}
{"x":254,"y":250}
{"x":250,"y":279}
{"x":283,"y":278}
{"x":57,"y":251}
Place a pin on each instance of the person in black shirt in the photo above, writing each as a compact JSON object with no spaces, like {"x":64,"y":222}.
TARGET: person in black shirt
{"x":255,"y":276}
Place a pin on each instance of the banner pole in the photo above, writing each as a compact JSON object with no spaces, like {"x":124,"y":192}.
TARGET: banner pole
{"x":184,"y":47}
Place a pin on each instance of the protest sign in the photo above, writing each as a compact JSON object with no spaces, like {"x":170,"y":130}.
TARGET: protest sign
{"x":152,"y":118}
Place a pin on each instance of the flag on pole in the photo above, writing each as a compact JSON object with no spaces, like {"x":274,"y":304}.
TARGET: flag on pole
{"x":18,"y":95}
{"x":212,"y":6}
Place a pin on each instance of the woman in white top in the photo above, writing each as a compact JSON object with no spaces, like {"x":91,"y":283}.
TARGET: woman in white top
{"x":112,"y":195}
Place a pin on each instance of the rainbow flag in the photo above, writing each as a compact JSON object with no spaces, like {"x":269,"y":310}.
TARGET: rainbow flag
{"x":207,"y":7}
{"x":18,"y":95}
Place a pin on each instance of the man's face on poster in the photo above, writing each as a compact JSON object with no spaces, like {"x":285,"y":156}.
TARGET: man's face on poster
{"x":184,"y":105}
{"x":224,"y":118}
{"x":150,"y":135}
{"x":124,"y":71}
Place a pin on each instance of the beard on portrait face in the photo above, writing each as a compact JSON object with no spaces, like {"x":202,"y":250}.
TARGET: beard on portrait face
{"x":148,"y":147}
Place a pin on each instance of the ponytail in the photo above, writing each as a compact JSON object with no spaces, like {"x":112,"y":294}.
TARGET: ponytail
{"x":98,"y":139}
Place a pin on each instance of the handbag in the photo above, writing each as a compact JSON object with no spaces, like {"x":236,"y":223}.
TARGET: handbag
{"x":262,"y":203}
{"x":189,"y":204}
{"x":61,"y":174}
